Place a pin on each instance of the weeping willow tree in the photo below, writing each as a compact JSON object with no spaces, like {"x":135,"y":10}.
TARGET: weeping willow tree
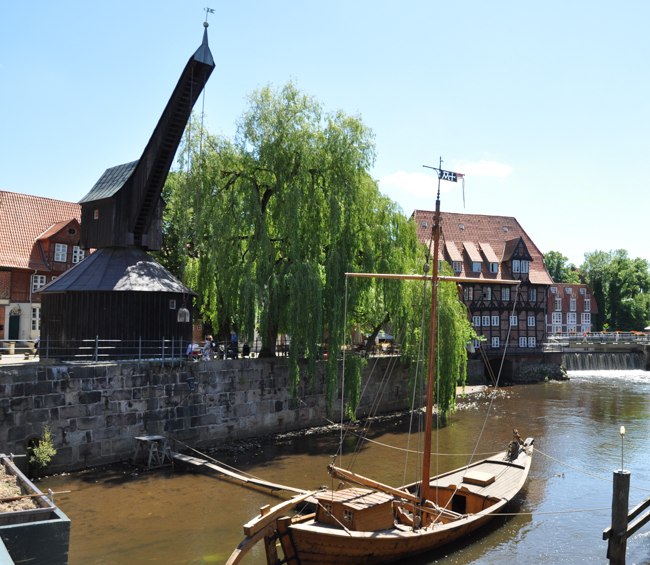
{"x":264,"y":226}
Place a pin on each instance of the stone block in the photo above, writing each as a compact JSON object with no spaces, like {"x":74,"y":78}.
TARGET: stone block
{"x":90,"y":397}
{"x":87,"y":423}
{"x":21,"y":404}
{"x":74,"y":411}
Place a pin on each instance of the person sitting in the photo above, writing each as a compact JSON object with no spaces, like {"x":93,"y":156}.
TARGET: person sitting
{"x":207,"y":348}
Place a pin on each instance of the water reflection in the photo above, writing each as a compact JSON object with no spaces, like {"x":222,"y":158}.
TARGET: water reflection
{"x":121,"y":517}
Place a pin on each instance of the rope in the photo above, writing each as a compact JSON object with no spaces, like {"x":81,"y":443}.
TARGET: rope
{"x":583,"y":472}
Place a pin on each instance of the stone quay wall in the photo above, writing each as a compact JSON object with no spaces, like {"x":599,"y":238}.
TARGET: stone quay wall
{"x":95,"y":411}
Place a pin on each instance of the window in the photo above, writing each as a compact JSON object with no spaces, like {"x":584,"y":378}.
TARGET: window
{"x":36,"y":319}
{"x":476,"y":266}
{"x":572,"y":305}
{"x":494,"y":267}
{"x":532,"y":342}
{"x":96,"y":214}
{"x":347,"y":515}
{"x":468,"y":293}
{"x":476,"y":343}
{"x":78,"y":254}
{"x":556,"y":329}
{"x":60,"y":252}
{"x":532,"y":295}
{"x":553,"y":290}
{"x":496,"y":321}
{"x":585,"y":318}
{"x":457,"y":266}
{"x":172,"y":304}
{"x":558,"y":304}
{"x":586,"y":329}
{"x":523,"y":342}
{"x":525,"y":266}
{"x":568,"y":290}
{"x":582,"y":291}
{"x":571,"y":318}
{"x":531,"y":321}
{"x":486,"y":321}
{"x":587,"y":304}
{"x":495,"y":343}
{"x":487,"y":293}
{"x":516,"y":266}
{"x":556,"y":318}
{"x":38,"y":281}
{"x":571,"y":329}
{"x":514,"y":320}
{"x":505,"y":294}
{"x":476,"y":321}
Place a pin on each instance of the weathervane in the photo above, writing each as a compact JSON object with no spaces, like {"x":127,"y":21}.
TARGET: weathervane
{"x":450,"y":176}
{"x":207,"y":12}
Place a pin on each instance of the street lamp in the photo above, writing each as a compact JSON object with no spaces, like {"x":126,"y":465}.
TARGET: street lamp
{"x":622,"y":432}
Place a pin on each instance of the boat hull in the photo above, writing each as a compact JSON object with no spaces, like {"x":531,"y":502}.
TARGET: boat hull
{"x":308,"y":541}
{"x":315,"y":546}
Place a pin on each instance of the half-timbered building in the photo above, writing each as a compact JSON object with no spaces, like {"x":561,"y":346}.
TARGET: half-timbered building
{"x":507,"y":280}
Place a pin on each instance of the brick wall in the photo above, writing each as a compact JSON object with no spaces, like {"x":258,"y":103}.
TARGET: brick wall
{"x":94,"y":412}
{"x":5,"y":284}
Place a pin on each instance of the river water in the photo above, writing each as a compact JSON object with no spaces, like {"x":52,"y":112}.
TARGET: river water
{"x":122,"y":517}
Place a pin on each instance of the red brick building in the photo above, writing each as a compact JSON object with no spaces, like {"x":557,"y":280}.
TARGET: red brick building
{"x":495,"y":250}
{"x":571,"y":308}
{"x":39,"y":240}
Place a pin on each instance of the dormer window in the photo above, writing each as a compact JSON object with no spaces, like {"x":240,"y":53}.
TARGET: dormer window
{"x":457,"y":266}
{"x":516,"y":266}
{"x":494,"y":267}
{"x":60,"y":252}
{"x":476,"y":266}
{"x":525,"y":266}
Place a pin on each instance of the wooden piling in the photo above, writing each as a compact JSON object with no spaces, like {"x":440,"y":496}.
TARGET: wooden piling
{"x":618,"y":537}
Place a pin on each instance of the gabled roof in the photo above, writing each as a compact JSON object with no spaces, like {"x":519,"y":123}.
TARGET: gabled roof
{"x":110,"y":182}
{"x":500,"y":234}
{"x":56,"y":228}
{"x":23,"y":219}
{"x":117,"y":269}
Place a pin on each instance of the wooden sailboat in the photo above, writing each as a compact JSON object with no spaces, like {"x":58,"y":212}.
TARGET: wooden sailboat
{"x":374,"y":523}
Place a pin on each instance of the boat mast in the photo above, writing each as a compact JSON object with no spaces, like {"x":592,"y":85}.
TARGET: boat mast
{"x":431,"y":366}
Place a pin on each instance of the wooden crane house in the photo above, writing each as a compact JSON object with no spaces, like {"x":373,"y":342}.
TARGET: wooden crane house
{"x":119,"y":292}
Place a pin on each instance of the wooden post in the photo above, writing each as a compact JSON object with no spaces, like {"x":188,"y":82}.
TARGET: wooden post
{"x":618,"y":538}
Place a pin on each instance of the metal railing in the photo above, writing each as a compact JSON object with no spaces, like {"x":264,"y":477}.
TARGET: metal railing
{"x":600,"y":337}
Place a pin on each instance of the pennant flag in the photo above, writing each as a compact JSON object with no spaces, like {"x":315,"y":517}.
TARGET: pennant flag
{"x":452,"y":177}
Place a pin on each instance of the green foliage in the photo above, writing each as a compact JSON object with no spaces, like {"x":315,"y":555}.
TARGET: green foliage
{"x":354,"y":366}
{"x":621,"y":288}
{"x":263,"y":227}
{"x":44,"y":449}
{"x":560,"y":269}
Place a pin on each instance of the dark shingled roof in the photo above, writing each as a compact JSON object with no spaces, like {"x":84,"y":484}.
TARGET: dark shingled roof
{"x":110,"y":182}
{"x":118,"y":269}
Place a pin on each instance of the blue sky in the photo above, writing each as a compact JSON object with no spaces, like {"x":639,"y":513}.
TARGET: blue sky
{"x":544,"y":106}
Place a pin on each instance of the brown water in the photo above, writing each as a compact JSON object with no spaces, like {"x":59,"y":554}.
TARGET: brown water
{"x":181,"y":518}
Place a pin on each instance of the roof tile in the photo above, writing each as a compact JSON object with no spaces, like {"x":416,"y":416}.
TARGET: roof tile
{"x":23,"y":219}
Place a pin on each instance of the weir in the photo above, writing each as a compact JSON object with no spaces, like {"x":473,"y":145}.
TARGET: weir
{"x":613,"y":361}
